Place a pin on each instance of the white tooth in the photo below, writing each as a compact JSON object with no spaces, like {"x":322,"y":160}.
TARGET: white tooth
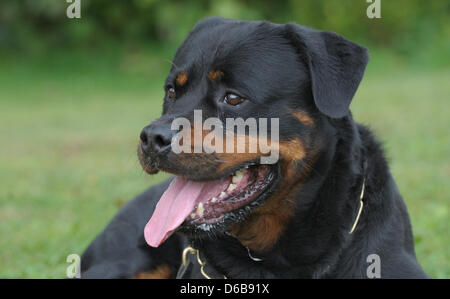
{"x":231,"y":187}
{"x":239,"y":175}
{"x":214,"y":199}
{"x":222,"y":194}
{"x":200,"y":209}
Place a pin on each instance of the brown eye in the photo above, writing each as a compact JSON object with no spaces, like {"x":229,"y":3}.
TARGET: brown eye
{"x":171,"y":92}
{"x":233,"y":99}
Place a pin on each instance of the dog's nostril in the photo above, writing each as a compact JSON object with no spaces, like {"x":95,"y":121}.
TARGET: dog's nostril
{"x":161,"y":141}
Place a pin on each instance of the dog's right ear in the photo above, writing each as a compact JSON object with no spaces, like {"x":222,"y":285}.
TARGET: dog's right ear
{"x":336,"y":67}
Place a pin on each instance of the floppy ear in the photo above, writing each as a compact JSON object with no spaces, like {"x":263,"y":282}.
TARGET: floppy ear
{"x":336,"y":67}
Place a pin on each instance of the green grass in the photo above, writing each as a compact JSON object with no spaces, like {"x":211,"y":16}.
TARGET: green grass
{"x":69,"y":128}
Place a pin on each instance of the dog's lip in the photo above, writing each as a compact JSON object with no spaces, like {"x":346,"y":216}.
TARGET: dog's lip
{"x":148,"y":165}
{"x":155,"y":167}
{"x":215,"y":176}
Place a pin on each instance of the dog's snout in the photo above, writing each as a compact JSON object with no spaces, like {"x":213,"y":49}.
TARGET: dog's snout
{"x":156,"y":138}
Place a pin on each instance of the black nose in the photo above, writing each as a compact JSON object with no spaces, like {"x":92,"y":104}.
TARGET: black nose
{"x":156,"y":138}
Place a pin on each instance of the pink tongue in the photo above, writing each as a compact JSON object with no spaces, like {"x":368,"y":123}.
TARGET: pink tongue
{"x":176,"y":204}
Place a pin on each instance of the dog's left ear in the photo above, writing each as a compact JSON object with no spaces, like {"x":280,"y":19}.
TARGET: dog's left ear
{"x":336,"y":67}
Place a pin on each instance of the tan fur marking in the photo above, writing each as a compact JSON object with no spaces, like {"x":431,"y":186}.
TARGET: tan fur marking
{"x":264,"y":226}
{"x":304,"y":118}
{"x":160,"y":272}
{"x":289,"y":151}
{"x":182,"y":78}
{"x":215,"y":74}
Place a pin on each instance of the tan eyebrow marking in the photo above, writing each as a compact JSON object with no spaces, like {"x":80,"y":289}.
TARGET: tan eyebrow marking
{"x":215,"y":74}
{"x":182,"y":78}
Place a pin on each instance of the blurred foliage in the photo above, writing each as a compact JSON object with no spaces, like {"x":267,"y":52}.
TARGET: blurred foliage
{"x":34,"y":25}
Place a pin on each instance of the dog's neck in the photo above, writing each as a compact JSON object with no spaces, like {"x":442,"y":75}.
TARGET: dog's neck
{"x":317,"y":222}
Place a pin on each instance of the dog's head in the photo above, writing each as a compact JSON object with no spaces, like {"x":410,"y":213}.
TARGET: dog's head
{"x":295,"y":78}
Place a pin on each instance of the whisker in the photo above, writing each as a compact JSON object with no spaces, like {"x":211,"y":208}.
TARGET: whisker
{"x":171,"y":62}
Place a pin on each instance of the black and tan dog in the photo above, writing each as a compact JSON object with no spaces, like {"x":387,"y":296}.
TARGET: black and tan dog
{"x":328,"y":204}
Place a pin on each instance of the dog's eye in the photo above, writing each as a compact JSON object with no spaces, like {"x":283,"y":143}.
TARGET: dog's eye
{"x":171,"y":92}
{"x":233,"y":99}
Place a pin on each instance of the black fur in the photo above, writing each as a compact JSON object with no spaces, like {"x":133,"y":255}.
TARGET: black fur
{"x":279,"y":69}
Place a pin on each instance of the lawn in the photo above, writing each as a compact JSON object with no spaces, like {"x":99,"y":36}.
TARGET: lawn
{"x":69,"y":127}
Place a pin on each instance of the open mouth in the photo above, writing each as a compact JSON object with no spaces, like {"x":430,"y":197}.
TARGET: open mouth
{"x":207,"y":205}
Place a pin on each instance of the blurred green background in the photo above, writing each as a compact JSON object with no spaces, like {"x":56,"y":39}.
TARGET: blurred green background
{"x":75,"y":93}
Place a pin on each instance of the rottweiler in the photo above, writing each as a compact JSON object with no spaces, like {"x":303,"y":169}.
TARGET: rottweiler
{"x":327,"y":208}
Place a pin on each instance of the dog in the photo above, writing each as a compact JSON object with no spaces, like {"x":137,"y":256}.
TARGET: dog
{"x":329,"y":206}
